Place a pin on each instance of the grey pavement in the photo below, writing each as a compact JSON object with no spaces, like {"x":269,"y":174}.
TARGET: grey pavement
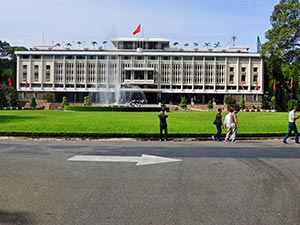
{"x":245,"y":183}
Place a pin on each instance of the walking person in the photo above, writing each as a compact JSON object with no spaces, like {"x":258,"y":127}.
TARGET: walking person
{"x":292,"y":126}
{"x":235,"y":124}
{"x":163,"y":126}
{"x":229,"y":124}
{"x":218,"y":122}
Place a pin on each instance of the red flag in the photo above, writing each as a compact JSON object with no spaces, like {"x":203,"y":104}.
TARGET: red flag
{"x":256,"y":85}
{"x":137,"y":30}
{"x":26,"y":84}
{"x":291,"y":83}
{"x":9,"y":81}
{"x":274,"y":85}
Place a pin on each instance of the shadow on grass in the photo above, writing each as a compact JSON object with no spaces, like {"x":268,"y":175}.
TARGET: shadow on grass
{"x":10,"y":118}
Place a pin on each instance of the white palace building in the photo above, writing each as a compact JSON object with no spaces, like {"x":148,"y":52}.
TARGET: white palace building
{"x":163,"y":73}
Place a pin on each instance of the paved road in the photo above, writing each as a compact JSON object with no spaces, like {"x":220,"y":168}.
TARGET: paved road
{"x":246,"y":183}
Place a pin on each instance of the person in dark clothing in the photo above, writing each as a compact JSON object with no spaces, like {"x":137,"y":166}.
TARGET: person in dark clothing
{"x":218,"y":122}
{"x":163,"y":126}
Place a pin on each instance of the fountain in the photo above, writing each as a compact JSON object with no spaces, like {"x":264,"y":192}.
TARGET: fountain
{"x":110,"y":92}
{"x":130,"y":95}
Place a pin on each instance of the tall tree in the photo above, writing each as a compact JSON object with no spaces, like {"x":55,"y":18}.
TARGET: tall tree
{"x":282,"y":49}
{"x":284,"y":36}
{"x":4,"y":46}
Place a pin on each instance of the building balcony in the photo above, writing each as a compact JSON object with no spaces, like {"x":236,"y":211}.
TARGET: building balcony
{"x":138,"y":81}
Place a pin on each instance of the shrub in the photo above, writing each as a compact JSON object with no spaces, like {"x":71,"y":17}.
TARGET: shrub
{"x":291,"y":103}
{"x":210,"y":104}
{"x":229,"y":100}
{"x":49,"y":97}
{"x":86,"y":101}
{"x":242,"y":104}
{"x":113,"y":108}
{"x":183,"y":103}
{"x":65,"y":102}
{"x":33,"y":103}
{"x":273,"y":102}
{"x":265,"y":103}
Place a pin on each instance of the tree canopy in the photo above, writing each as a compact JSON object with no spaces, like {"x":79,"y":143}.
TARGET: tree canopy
{"x":282,"y":50}
{"x":284,"y":36}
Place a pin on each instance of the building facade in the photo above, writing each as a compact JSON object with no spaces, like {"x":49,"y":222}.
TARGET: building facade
{"x":162,"y":73}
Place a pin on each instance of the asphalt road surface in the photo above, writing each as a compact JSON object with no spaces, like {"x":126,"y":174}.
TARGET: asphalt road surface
{"x":123,"y":182}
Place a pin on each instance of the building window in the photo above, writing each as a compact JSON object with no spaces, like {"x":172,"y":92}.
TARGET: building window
{"x":70,"y":57}
{"x":150,"y":75}
{"x":24,"y":75}
{"x":220,"y":58}
{"x":231,"y":78}
{"x":255,"y":69}
{"x":36,"y":76}
{"x":198,"y":58}
{"x":36,"y":57}
{"x":243,"y":78}
{"x":59,"y":57}
{"x":152,"y":57}
{"x":128,"y":75}
{"x":80,"y":57}
{"x":36,"y":67}
{"x":255,"y":98}
{"x":113,"y":57}
{"x":92,"y":57}
{"x":48,"y":56}
{"x":138,"y":75}
{"x":255,"y":78}
{"x":243,"y":69}
{"x":48,"y":67}
{"x":47,"y":76}
{"x":231,"y":69}
{"x":25,"y":57}
{"x":126,"y":57}
{"x":139,"y":57}
{"x":187,"y":58}
{"x":209,"y":58}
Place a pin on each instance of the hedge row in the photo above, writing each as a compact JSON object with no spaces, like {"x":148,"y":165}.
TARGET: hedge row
{"x":112,"y":108}
{"x":132,"y":135}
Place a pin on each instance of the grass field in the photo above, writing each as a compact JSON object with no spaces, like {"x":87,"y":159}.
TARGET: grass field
{"x":52,"y":121}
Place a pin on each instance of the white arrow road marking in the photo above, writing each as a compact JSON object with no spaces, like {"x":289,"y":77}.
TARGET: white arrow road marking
{"x":140,"y":161}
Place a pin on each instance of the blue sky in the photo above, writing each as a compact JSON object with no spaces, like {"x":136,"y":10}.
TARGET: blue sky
{"x":30,"y":23}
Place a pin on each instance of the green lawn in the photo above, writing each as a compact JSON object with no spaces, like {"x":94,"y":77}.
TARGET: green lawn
{"x":55,"y":121}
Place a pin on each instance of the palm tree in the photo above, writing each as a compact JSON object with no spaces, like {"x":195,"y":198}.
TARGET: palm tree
{"x":79,"y":43}
{"x":233,"y":38}
{"x":216,"y":45}
{"x":57,"y":45}
{"x":68,"y":45}
{"x":104,"y":43}
{"x":94,"y":43}
{"x":207,"y":44}
{"x":186,"y":44}
{"x":175,"y":44}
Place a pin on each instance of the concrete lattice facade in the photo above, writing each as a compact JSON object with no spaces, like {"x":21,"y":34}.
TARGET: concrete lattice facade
{"x":163,"y":73}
